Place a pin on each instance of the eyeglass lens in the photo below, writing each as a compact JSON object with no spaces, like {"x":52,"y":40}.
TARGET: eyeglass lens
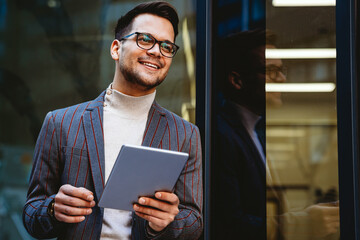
{"x":147,"y":41}
{"x":274,"y":72}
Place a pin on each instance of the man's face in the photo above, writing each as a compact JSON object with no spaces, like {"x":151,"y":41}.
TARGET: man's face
{"x":274,"y":75}
{"x":145,"y":69}
{"x":251,"y":77}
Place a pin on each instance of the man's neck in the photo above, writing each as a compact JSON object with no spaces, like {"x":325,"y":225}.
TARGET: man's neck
{"x":132,"y":89}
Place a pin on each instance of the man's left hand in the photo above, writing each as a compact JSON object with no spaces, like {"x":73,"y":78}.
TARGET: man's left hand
{"x":159,"y":212}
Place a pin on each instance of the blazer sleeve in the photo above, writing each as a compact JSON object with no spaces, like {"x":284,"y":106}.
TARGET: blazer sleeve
{"x":44,"y":183}
{"x":188,"y":224}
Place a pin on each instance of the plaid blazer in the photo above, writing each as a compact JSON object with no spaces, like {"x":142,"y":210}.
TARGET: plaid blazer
{"x":70,"y":150}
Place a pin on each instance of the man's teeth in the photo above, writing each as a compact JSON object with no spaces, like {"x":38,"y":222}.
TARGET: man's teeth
{"x":150,"y":65}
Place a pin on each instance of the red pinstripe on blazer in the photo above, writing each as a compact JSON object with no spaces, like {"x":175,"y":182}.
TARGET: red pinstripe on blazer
{"x":70,"y":150}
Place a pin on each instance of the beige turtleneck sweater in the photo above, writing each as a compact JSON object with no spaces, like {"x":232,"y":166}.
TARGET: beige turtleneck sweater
{"x":124,"y":123}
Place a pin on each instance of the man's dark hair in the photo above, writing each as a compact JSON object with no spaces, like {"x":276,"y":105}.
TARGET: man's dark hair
{"x":244,"y":54}
{"x":239,"y":52}
{"x":158,"y":8}
{"x":270,"y":37}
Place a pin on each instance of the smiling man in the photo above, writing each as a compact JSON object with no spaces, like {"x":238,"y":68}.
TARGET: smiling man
{"x":77,"y":146}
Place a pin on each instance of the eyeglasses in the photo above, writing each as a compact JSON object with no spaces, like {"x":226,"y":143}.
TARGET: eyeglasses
{"x":274,"y":72}
{"x":146,"y":41}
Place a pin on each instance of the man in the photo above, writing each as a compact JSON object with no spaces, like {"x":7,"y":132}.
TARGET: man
{"x":78,"y":145}
{"x":275,"y":72}
{"x":239,"y":172}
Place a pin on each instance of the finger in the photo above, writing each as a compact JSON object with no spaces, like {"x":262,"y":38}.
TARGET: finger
{"x":335,"y":225}
{"x":333,"y":211}
{"x":330,"y":204}
{"x":73,"y":201}
{"x":153,"y":212}
{"x":164,"y":206}
{"x":81,"y":192}
{"x":151,"y":219}
{"x":72,"y":211}
{"x":332,"y":228}
{"x":169,"y":197}
{"x":68,"y":219}
{"x":332,"y":219}
{"x":330,"y":210}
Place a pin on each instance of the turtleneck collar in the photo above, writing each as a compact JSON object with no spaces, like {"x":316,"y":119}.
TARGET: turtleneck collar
{"x":127,"y":106}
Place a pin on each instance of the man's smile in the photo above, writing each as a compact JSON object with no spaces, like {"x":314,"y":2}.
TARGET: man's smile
{"x":150,"y":65}
{"x":155,"y":65}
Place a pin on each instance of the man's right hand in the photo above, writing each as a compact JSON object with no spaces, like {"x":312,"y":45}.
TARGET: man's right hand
{"x":72,"y":204}
{"x":324,"y":218}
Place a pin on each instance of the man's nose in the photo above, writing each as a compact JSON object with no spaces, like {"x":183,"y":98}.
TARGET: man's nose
{"x":155,"y":50}
{"x":281,"y":77}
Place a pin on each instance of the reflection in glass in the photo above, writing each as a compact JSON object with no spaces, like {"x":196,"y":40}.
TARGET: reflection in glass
{"x":301,"y":130}
{"x":238,"y":173}
{"x":239,"y":163}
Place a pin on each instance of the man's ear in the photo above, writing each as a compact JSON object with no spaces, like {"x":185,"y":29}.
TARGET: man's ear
{"x":235,"y":81}
{"x":114,"y":49}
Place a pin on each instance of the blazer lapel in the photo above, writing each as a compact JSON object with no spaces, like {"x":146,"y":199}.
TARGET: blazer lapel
{"x":251,"y":148}
{"x":155,"y":126}
{"x":92,"y":122}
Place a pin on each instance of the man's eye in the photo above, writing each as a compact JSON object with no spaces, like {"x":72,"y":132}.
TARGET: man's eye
{"x":145,"y":39}
{"x":167,"y":47}
{"x":274,"y":69}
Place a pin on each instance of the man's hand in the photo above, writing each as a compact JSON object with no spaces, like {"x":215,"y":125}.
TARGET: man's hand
{"x":72,"y":204}
{"x":324,"y":218}
{"x":159,"y":213}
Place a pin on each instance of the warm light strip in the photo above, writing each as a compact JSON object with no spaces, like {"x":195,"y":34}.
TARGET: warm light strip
{"x":303,"y":3}
{"x":305,"y":53}
{"x":300,"y":87}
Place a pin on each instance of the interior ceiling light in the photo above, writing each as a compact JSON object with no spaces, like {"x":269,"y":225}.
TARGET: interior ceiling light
{"x":305,"y":53}
{"x":300,"y":87}
{"x":303,"y":3}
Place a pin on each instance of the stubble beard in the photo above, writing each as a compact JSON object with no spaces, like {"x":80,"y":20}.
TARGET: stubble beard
{"x":136,"y":78}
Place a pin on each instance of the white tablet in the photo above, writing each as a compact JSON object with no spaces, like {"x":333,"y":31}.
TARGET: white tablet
{"x":140,"y":172}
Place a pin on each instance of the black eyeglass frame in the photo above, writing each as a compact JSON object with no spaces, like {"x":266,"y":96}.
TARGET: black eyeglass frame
{"x":155,"y":42}
{"x":276,"y":70}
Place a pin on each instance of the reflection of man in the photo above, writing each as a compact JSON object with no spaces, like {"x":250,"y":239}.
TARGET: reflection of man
{"x":239,"y":165}
{"x":275,"y":72}
{"x":77,"y":146}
